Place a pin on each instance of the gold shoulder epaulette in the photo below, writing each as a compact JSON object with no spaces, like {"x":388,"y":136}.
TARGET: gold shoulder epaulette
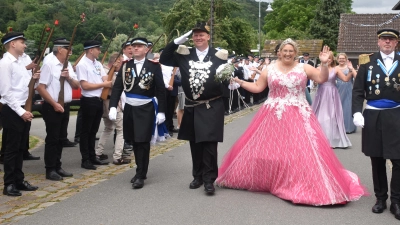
{"x":222,"y":54}
{"x":364,"y":58}
{"x":183,"y":50}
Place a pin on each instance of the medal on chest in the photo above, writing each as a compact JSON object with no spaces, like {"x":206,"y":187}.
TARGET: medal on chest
{"x":199,"y":73}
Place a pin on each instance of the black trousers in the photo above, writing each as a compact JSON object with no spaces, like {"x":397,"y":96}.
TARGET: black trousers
{"x":15,"y":137}
{"x":204,"y":159}
{"x":380,"y":179}
{"x":142,"y":158}
{"x":169,"y":113}
{"x":56,"y":128}
{"x":78,"y":126}
{"x":92,"y":110}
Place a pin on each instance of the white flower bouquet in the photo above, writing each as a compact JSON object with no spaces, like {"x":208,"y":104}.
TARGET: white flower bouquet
{"x":224,"y":72}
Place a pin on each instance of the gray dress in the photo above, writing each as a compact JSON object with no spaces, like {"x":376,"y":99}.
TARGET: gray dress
{"x":345,"y":91}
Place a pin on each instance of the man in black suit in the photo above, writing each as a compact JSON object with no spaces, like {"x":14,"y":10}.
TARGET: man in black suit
{"x":142,"y":82}
{"x":378,"y":82}
{"x":203,"y":119}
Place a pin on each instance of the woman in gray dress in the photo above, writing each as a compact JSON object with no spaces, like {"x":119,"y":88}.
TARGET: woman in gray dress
{"x":345,"y":91}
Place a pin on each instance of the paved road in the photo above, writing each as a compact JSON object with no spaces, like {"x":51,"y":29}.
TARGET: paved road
{"x":166,"y":198}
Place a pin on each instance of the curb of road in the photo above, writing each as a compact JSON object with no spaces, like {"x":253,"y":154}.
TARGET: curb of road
{"x":13,"y":209}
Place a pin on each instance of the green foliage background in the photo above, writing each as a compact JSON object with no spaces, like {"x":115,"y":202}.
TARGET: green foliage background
{"x":236,"y":20}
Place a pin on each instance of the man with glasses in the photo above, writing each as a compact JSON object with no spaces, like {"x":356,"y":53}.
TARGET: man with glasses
{"x":378,"y":82}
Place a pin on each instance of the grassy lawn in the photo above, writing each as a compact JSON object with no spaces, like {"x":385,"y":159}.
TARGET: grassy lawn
{"x":33,"y":141}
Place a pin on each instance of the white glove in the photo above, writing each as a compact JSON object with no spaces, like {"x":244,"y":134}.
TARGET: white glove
{"x":358,"y":119}
{"x":112,"y":115}
{"x":182,"y":39}
{"x":233,"y":86}
{"x":160,"y":118}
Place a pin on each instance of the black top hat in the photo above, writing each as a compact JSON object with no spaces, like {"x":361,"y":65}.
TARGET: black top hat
{"x":91,"y":44}
{"x":201,"y":26}
{"x":125,"y":44}
{"x":139,"y":41}
{"x":388,"y":32}
{"x":12,"y":36}
{"x":61,"y":43}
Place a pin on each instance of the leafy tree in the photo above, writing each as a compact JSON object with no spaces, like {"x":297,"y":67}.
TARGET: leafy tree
{"x":325,"y":25}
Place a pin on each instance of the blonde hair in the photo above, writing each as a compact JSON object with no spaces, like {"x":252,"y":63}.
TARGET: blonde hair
{"x":289,"y":41}
{"x":333,"y":63}
{"x":343,"y":54}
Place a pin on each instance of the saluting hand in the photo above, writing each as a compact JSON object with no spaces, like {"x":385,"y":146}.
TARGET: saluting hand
{"x":27,"y":116}
{"x":182,"y":39}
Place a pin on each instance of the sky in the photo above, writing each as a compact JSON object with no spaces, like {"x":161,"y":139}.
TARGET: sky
{"x":375,"y":6}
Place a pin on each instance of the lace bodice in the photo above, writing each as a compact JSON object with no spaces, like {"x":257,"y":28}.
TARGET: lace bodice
{"x":287,"y":90}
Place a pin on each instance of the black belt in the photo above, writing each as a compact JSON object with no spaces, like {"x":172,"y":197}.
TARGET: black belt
{"x":94,"y":98}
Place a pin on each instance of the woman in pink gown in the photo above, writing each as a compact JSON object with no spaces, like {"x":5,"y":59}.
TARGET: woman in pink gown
{"x":284,"y":150}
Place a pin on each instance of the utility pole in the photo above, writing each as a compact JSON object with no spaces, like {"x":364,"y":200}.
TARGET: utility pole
{"x":212,"y":9}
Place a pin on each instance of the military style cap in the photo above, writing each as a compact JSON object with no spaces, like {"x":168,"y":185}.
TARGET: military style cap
{"x":306,"y":54}
{"x":149,"y":43}
{"x":388,"y":32}
{"x":61,"y":43}
{"x":60,"y":39}
{"x":91,"y":44}
{"x":126,"y":44}
{"x":256,"y":56}
{"x":12,"y":36}
{"x":201,"y":26}
{"x":139,"y":41}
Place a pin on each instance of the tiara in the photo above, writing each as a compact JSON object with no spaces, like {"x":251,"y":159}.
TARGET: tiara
{"x":289,"y":41}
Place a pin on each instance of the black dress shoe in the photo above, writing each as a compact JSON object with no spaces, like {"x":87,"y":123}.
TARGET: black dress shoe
{"x":68,"y":143}
{"x":139,"y":183}
{"x":88,"y":165}
{"x":379,"y":206}
{"x":102,"y":157}
{"x":128,"y":147}
{"x":31,"y":157}
{"x":53,"y":175}
{"x":395,"y":209}
{"x":10,"y":190}
{"x":209,"y":188}
{"x":64,"y":173}
{"x":98,"y":162}
{"x":26,"y":186}
{"x":196,"y":183}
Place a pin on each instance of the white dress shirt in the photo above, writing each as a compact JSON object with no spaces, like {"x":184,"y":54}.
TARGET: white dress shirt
{"x":246,"y":72}
{"x":167,"y":73}
{"x":50,"y":76}
{"x":14,"y":83}
{"x":25,"y":59}
{"x":388,"y":60}
{"x":92,"y":72}
{"x":48,"y":57}
{"x":202,"y":54}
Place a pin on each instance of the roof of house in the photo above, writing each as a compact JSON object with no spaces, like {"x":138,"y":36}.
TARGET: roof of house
{"x":355,"y":36}
{"x":397,"y":6}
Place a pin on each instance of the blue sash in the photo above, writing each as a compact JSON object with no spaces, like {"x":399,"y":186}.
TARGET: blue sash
{"x":161,"y":128}
{"x":383,"y":103}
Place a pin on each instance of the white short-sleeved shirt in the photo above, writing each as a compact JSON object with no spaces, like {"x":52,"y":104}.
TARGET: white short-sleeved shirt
{"x":167,"y":73}
{"x":48,"y":57}
{"x":50,"y":76}
{"x":14,"y":81}
{"x":92,"y":72}
{"x":25,"y":59}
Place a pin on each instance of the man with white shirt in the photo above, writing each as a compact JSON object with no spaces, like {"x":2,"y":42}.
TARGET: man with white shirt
{"x":144,"y":112}
{"x":203,"y":118}
{"x":378,"y":82}
{"x":55,"y":116}
{"x":93,"y":79}
{"x":127,"y":50}
{"x":16,"y":120}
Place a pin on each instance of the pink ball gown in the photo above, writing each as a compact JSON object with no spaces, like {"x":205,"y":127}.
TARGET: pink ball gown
{"x":285,"y":152}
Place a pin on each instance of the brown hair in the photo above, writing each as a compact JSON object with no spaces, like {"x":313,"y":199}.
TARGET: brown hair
{"x":333,"y":63}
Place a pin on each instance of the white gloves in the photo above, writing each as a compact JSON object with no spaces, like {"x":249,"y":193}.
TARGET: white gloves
{"x":233,"y":86}
{"x":160,"y":118}
{"x":112,"y":115}
{"x":358,"y":119}
{"x":182,"y":39}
